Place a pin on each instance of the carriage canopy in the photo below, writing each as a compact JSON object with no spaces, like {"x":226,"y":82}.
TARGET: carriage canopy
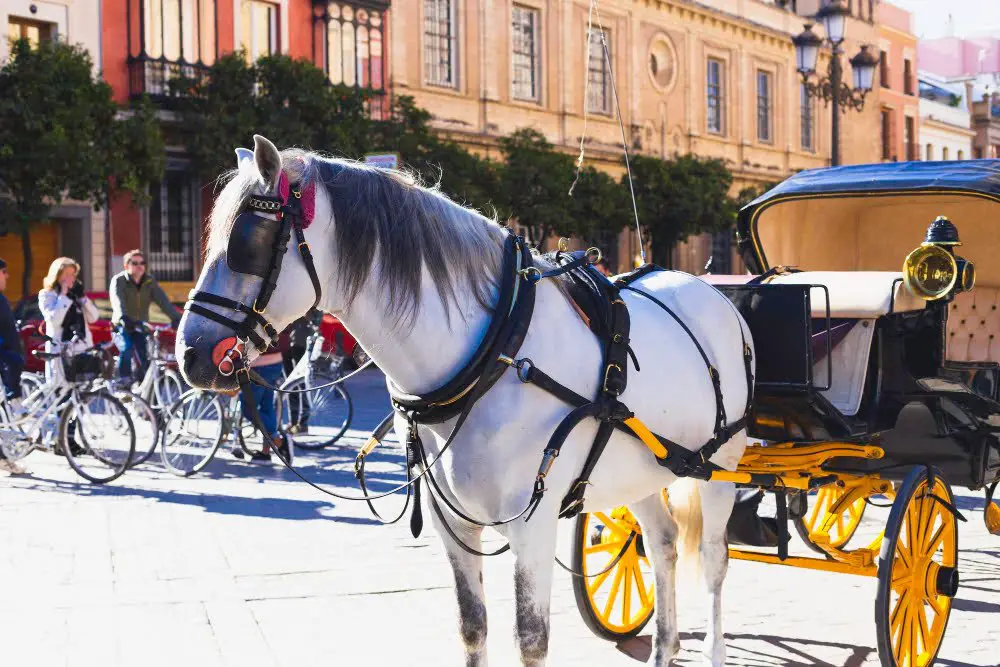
{"x":869,"y":217}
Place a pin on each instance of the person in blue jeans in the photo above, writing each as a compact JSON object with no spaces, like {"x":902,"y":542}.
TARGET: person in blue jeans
{"x":269,"y":367}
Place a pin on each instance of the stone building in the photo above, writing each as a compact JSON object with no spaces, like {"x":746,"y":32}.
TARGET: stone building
{"x":716,"y":78}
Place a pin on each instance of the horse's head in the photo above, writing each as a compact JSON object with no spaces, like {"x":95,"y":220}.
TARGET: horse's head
{"x":256,"y":279}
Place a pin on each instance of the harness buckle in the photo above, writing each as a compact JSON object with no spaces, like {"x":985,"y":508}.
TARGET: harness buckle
{"x":548,"y":458}
{"x":532,"y":274}
{"x":524,"y":367}
{"x":595,"y":253}
{"x":607,"y":376}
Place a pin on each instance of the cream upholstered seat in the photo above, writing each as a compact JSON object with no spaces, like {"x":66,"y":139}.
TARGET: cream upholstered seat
{"x":856,"y":294}
{"x":853,"y":294}
{"x":974,"y":326}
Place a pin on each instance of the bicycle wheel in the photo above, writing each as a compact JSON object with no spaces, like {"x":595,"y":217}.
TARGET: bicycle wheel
{"x":319,"y":417}
{"x":167,"y":388}
{"x":97,"y":436}
{"x":192,"y":432}
{"x":14,"y":443}
{"x":147,"y":428}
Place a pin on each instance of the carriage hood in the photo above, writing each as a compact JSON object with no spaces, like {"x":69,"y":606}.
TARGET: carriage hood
{"x":869,"y":217}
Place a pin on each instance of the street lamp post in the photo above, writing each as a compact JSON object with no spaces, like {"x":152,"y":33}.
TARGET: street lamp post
{"x":831,"y":88}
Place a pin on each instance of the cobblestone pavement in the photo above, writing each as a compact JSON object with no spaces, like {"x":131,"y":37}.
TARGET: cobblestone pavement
{"x":244,"y":565}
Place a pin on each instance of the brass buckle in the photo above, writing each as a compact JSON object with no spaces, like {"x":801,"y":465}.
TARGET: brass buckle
{"x":531,"y":271}
{"x":298,"y":195}
{"x":595,"y":253}
{"x":607,"y":374}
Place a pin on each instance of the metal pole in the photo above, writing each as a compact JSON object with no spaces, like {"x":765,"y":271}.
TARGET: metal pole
{"x":835,"y":95}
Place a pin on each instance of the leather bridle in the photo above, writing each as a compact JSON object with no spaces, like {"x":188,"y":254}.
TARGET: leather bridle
{"x":289,"y":219}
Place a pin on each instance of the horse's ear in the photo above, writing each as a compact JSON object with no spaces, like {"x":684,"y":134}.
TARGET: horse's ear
{"x":243,"y":156}
{"x":268,"y":160}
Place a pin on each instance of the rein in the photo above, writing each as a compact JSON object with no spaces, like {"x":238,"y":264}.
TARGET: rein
{"x":496,"y":353}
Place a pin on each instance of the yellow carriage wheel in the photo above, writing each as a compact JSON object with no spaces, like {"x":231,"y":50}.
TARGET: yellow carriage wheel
{"x":844,"y":526}
{"x":917,"y":572}
{"x":615,"y":604}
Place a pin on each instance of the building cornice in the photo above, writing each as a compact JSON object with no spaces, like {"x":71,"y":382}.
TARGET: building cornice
{"x":696,"y":12}
{"x":943,"y":125}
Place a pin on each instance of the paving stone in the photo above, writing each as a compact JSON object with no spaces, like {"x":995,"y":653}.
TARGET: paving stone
{"x":243,"y":565}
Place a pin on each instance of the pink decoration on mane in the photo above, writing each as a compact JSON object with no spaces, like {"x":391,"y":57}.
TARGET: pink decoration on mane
{"x":308,"y":199}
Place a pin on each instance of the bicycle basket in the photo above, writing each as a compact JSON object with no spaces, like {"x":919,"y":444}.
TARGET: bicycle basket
{"x":85,"y":366}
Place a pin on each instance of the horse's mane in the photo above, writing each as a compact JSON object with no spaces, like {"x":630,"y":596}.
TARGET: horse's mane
{"x":386,"y":215}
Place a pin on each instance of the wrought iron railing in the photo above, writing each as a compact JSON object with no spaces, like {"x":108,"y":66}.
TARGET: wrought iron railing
{"x":155,"y":77}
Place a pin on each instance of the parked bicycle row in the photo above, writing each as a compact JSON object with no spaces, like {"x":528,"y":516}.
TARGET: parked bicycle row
{"x":107,"y":406}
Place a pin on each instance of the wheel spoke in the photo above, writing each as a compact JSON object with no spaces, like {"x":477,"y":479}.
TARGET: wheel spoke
{"x":936,"y":539}
{"x":903,"y":554}
{"x":615,"y":585}
{"x":897,"y":615}
{"x":899,"y":650}
{"x":627,"y":597}
{"x":611,"y":524}
{"x":938,"y":605}
{"x":598,"y":581}
{"x":613,"y":547}
{"x":640,"y":586}
{"x":922,"y":629}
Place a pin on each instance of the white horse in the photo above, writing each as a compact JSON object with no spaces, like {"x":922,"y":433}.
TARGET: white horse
{"x":412,"y":276}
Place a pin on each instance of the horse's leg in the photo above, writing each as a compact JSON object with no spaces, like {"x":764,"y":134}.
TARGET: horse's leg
{"x":534,"y":547}
{"x":659,"y":534}
{"x":717,"y":500}
{"x":468,"y":571}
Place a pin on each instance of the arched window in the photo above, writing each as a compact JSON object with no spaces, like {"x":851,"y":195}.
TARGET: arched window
{"x":930,"y":152}
{"x":353,"y":45}
{"x":944,"y":153}
{"x":961,"y":155}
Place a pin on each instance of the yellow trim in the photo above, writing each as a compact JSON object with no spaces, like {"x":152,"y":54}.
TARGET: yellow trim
{"x":647,"y":437}
{"x":869,"y":570}
{"x":755,"y":239}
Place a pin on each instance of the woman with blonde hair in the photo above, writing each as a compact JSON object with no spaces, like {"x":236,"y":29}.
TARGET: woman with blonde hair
{"x":67,"y":311}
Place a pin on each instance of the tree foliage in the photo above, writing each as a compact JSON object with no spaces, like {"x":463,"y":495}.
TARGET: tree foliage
{"x":679,"y":198}
{"x":534,"y":185}
{"x":63,"y":136}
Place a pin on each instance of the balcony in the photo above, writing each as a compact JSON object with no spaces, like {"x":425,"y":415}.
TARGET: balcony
{"x":153,"y":76}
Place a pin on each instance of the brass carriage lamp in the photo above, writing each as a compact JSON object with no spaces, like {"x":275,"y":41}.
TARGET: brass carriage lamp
{"x":933,"y":271}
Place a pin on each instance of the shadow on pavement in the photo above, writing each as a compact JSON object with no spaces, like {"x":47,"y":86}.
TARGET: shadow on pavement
{"x":788,"y":651}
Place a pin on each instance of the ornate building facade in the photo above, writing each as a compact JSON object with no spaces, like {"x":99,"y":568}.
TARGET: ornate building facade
{"x":715,"y":78}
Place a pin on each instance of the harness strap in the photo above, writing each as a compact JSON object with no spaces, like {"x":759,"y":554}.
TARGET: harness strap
{"x":307,"y":259}
{"x":240,"y":328}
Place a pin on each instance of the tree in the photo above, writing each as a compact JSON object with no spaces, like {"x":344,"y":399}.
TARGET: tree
{"x":463,"y":176}
{"x":534,"y":186}
{"x":288,"y":100}
{"x":681,"y":197}
{"x":602,"y":208}
{"x":62,"y":136}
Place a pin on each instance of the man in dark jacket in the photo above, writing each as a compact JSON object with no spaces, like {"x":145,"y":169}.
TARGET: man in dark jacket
{"x":132,"y":292}
{"x":11,"y":360}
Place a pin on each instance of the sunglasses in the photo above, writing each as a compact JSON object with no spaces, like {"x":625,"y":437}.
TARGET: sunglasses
{"x":132,"y":262}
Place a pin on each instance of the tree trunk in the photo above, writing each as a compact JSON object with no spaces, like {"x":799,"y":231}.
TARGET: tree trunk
{"x":663,"y":255}
{"x":26,"y":249}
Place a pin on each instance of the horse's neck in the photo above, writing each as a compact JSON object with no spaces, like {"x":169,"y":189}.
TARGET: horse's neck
{"x":428,"y":350}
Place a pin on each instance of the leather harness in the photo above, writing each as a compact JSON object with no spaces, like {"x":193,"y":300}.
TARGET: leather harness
{"x":598,"y":297}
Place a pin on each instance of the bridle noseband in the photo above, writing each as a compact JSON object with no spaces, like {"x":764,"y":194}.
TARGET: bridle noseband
{"x":257,"y":246}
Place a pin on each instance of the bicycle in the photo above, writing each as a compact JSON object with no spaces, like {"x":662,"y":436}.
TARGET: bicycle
{"x":316,"y":368}
{"x":197,"y":424}
{"x":85,"y":421}
{"x":161,"y":386}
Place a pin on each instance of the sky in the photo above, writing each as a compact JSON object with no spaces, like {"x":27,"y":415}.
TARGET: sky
{"x":968,"y":18}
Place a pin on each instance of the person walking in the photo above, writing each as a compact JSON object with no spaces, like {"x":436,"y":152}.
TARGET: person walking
{"x":132,"y":291}
{"x":11,"y":363}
